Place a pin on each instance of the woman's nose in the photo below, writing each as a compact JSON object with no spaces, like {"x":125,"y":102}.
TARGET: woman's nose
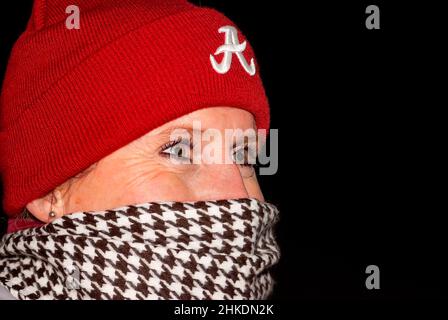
{"x":220,"y":181}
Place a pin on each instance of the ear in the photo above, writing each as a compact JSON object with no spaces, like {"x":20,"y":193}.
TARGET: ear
{"x":40,"y":208}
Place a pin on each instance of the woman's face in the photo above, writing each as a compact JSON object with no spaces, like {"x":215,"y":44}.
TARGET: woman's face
{"x":144,"y":170}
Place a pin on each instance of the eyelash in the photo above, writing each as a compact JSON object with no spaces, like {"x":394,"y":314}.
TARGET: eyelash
{"x":170,"y":144}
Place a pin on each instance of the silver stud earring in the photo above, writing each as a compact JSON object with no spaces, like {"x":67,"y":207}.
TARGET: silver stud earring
{"x":51,"y":214}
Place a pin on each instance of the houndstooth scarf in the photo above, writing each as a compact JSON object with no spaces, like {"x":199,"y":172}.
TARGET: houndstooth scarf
{"x":168,"y":250}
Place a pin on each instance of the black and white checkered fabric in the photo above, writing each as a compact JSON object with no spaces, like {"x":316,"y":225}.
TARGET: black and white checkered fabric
{"x":168,"y":250}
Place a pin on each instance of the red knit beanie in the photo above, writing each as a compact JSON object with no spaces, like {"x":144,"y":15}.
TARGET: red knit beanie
{"x":72,"y":96}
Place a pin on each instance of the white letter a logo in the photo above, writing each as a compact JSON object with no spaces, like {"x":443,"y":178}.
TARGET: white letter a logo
{"x":230,"y":47}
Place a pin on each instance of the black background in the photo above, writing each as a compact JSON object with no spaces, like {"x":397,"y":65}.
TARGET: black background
{"x":359,"y":114}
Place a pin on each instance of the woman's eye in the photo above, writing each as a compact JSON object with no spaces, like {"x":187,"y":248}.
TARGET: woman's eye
{"x":179,"y":151}
{"x":244,"y":156}
{"x":239,"y":156}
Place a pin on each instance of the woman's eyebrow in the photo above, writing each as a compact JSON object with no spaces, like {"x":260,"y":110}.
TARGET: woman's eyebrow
{"x":168,"y":131}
